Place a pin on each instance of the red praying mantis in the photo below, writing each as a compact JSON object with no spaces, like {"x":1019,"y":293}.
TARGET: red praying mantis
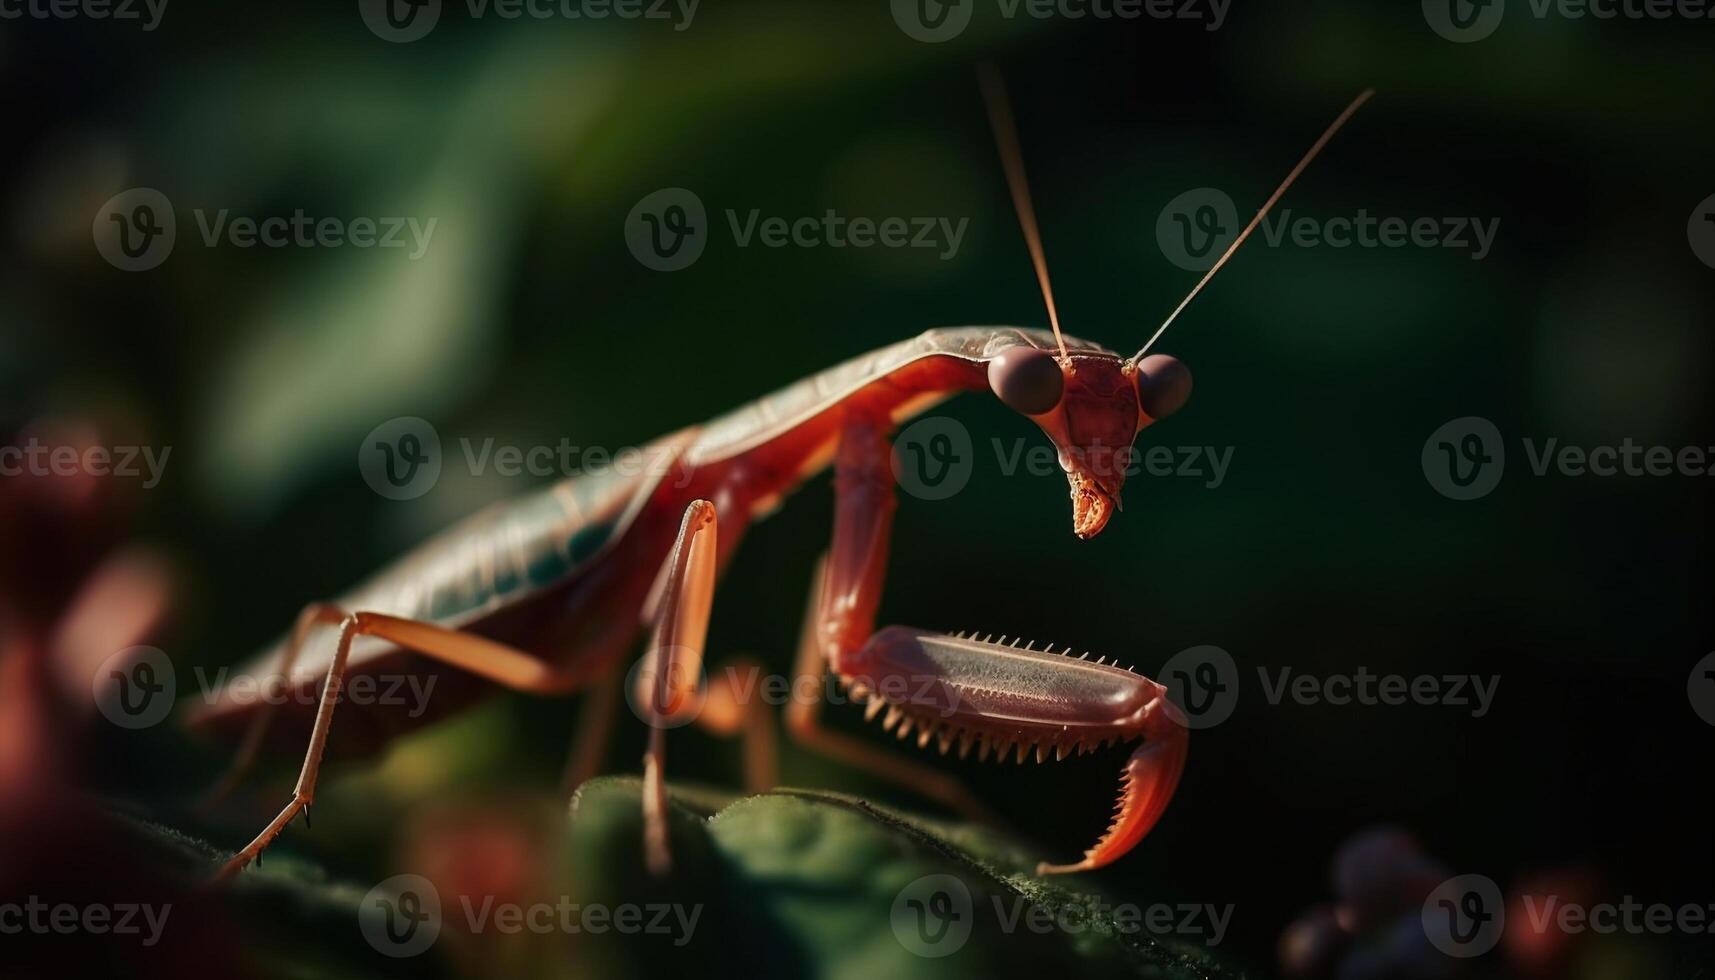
{"x":547,"y":594}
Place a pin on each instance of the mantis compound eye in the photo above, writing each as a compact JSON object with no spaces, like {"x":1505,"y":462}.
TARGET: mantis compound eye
{"x":1163,"y":385}
{"x":1027,"y":380}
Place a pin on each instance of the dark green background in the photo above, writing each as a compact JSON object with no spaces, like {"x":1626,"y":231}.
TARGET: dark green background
{"x":1325,"y":369}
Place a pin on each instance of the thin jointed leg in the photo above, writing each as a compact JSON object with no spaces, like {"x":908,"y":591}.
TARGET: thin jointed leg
{"x":594,"y":729}
{"x":486,"y":658}
{"x":314,"y":614}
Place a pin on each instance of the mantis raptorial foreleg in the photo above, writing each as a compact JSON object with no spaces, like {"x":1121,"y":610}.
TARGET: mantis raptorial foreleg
{"x":669,"y":685}
{"x":964,"y":691}
{"x":844,"y":597}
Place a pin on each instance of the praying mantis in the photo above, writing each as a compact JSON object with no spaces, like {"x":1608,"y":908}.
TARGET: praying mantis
{"x":547,"y":594}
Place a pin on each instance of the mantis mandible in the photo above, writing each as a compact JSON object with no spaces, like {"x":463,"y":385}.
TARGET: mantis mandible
{"x":546,"y":594}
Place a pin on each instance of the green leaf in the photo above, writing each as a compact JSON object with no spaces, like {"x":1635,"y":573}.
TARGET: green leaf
{"x":795,"y":882}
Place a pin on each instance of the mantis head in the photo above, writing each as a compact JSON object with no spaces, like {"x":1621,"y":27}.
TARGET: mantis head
{"x":1092,"y":406}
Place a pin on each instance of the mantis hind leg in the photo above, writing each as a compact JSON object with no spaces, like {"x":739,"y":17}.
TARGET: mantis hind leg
{"x":244,"y":759}
{"x":493,"y":661}
{"x":594,"y":729}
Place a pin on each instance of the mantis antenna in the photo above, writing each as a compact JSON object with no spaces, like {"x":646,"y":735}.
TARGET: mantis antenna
{"x":1012,"y":159}
{"x":1310,"y":155}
